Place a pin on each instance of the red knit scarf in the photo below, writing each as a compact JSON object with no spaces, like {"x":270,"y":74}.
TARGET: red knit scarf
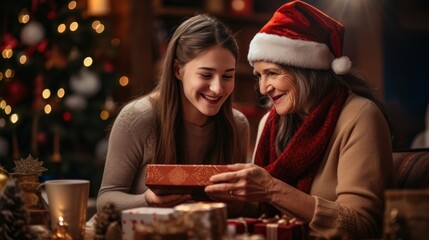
{"x":298,"y":163}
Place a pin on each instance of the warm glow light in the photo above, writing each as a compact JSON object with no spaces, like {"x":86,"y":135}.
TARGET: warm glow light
{"x":46,"y":93}
{"x":61,"y":92}
{"x":24,"y":17}
{"x":23,"y":59}
{"x":47,"y":108}
{"x":1,"y":76}
{"x":9,"y":73}
{"x":87,"y":61}
{"x":14,"y":118}
{"x":123,"y":81}
{"x":97,"y":26}
{"x":8,"y":109}
{"x":61,"y":220}
{"x":61,"y":28}
{"x":72,"y":5}
{"x":7,"y":53}
{"x":104,"y":115}
{"x":98,"y":7}
{"x":2,"y":104}
{"x":74,"y":26}
{"x":100,"y":28}
{"x":115,"y":42}
{"x":238,"y":5}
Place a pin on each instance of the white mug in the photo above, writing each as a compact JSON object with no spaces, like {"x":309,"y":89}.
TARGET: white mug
{"x":67,"y":199}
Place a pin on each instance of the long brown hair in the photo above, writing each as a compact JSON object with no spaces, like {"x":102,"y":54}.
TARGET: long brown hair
{"x":192,"y":37}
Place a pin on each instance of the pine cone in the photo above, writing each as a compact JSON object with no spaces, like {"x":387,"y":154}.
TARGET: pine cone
{"x":104,"y":218}
{"x":14,"y":218}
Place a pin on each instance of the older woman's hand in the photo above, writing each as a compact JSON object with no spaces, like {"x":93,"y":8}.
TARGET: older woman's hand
{"x":245,"y":182}
{"x":154,"y":200}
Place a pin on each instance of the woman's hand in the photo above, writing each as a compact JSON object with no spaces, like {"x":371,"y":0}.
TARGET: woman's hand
{"x":245,"y":182}
{"x":154,"y":200}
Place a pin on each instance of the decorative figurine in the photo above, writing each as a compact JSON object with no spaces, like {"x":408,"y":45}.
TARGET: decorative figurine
{"x":27,"y":173}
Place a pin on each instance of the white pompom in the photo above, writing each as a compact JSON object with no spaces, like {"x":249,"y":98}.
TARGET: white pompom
{"x":341,"y":65}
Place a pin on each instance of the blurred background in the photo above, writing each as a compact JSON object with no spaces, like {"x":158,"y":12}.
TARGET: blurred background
{"x":66,"y":68}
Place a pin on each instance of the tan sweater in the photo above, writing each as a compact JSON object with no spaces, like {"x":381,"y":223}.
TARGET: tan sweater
{"x":356,"y":169}
{"x":131,"y":147}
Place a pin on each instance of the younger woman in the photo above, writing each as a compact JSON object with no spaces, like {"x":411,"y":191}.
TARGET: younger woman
{"x":187,"y":119}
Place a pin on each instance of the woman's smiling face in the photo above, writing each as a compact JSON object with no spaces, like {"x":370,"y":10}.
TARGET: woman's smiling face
{"x":278,"y":84}
{"x":207,"y":81}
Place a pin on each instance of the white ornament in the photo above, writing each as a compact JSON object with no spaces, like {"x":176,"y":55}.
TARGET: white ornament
{"x":85,"y":83}
{"x":75,"y":102}
{"x":32,"y":33}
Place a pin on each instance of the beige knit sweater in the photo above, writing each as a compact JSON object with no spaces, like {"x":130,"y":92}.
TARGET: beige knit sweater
{"x":356,"y":170}
{"x":131,"y":147}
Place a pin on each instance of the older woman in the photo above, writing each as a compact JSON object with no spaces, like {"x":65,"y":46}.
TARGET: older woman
{"x":324,"y":149}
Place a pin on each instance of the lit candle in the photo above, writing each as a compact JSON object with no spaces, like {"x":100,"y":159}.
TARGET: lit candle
{"x":61,"y":231}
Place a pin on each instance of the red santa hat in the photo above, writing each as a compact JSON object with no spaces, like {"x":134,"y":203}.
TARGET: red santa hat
{"x":300,"y":35}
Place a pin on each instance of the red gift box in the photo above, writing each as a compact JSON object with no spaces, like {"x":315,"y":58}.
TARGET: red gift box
{"x":181,"y":179}
{"x":285,"y":231}
{"x":242,"y":225}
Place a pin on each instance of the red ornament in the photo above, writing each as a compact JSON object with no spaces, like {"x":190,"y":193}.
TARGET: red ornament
{"x":108,"y":66}
{"x":42,"y":138}
{"x":38,"y":88}
{"x":15,"y":91}
{"x":67,"y":116}
{"x":8,"y":41}
{"x":52,"y":15}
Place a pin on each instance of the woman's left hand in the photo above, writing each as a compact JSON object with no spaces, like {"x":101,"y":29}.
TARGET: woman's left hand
{"x":245,"y":182}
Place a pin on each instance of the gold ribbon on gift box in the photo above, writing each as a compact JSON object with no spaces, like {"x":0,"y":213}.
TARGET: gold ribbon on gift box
{"x":272,"y":225}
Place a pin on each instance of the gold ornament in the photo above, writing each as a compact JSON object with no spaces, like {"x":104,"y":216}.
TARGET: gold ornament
{"x":29,"y":166}
{"x":4,"y":176}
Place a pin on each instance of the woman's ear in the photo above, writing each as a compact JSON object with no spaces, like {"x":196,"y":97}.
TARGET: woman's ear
{"x":177,"y":69}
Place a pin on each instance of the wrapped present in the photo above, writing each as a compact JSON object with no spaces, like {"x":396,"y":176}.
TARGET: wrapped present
{"x":181,"y":179}
{"x":282,"y":228}
{"x":245,"y":237}
{"x":171,"y":229}
{"x":241,"y":225}
{"x":132,"y":218}
{"x":204,"y":220}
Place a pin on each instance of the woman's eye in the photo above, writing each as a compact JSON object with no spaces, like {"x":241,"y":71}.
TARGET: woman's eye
{"x":206,"y":76}
{"x":272,"y":74}
{"x":228,"y":76}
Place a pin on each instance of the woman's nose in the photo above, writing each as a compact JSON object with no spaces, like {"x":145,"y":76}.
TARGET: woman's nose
{"x":216,"y":86}
{"x":265,"y":87}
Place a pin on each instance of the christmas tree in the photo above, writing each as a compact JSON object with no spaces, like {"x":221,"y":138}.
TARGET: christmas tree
{"x":57,"y":79}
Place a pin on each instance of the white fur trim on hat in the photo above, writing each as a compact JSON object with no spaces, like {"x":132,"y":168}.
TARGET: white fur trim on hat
{"x":294,"y":52}
{"x":341,"y":65}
